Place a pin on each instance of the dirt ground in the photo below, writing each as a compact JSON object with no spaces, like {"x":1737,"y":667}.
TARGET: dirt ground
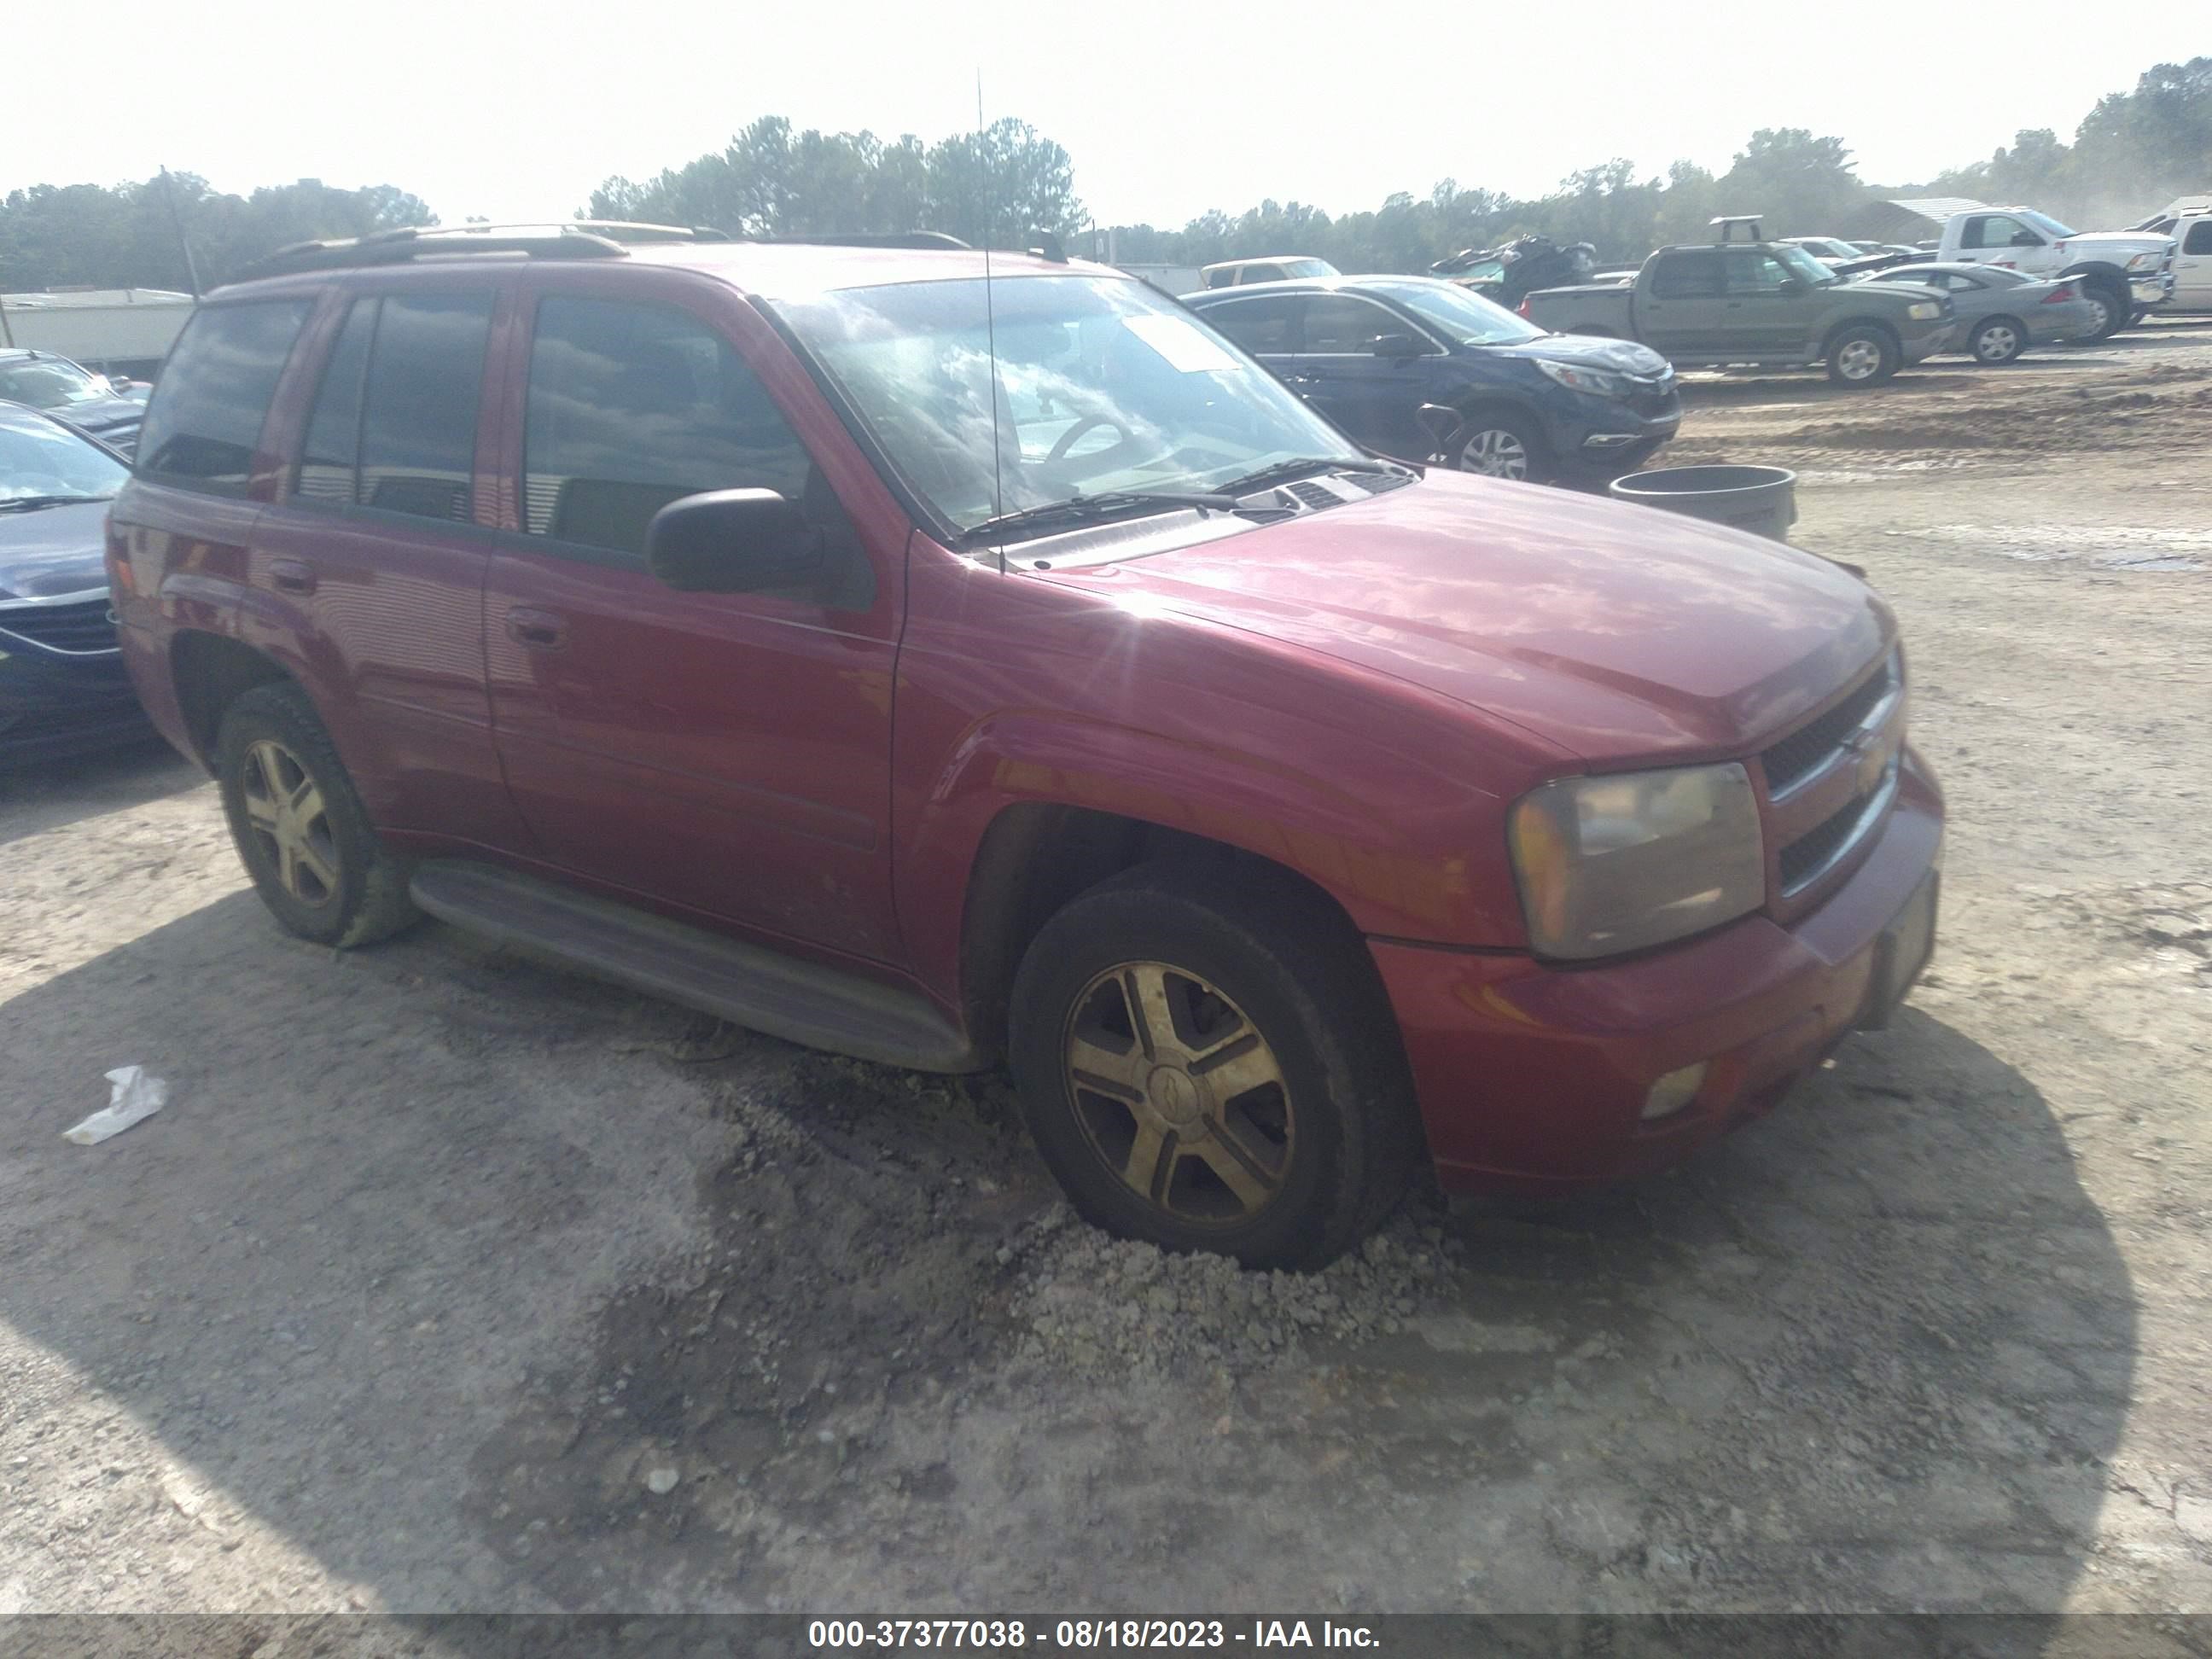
{"x":449,"y":1282}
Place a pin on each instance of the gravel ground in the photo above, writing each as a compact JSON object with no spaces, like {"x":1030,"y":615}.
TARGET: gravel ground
{"x":450,"y":1282}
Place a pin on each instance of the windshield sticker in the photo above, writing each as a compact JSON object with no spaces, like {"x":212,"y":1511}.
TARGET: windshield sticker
{"x":1183,"y":344}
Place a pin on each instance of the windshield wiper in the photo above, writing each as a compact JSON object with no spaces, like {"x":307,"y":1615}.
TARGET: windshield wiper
{"x":1107,"y":504}
{"x":1304,"y":466}
{"x":33,"y":503}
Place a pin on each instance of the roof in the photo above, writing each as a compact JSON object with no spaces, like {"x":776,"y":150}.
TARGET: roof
{"x":81,"y":298}
{"x":1939,"y":207}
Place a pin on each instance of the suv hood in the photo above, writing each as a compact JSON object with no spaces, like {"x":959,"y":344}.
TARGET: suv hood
{"x":1614,"y":633}
{"x":53,"y":550}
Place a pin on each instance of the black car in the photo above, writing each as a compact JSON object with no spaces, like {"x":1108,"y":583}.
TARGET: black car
{"x":63,"y":686}
{"x":1504,"y":397}
{"x":69,"y":391}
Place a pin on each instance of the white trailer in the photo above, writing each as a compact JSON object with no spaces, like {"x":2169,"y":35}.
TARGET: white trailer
{"x":127,"y":330}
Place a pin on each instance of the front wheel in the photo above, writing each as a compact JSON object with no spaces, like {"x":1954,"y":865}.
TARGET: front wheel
{"x":2108,"y":310}
{"x":1999,"y":340}
{"x":1862,"y":356}
{"x":1497,"y":444}
{"x":1206,"y":1061}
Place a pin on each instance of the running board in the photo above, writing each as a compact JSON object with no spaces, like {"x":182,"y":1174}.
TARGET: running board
{"x":761,"y":989}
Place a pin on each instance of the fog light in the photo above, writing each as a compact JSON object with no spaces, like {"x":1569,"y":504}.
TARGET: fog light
{"x":1674,"y":1091}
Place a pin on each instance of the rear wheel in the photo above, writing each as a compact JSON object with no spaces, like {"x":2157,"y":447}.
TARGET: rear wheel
{"x":1997,"y":340}
{"x":301,"y":831}
{"x":1862,"y":356}
{"x":1206,"y":1062}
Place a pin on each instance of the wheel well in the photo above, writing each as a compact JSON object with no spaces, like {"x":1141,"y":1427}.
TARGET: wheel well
{"x":1844,"y":327}
{"x":2099,"y":272}
{"x":211,"y":672}
{"x":1035,"y":856}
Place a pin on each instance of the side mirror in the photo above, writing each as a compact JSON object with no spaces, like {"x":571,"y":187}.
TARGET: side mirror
{"x":1791,"y":287}
{"x":732,"y":541}
{"x":1396,"y":345}
{"x":2025,"y":239}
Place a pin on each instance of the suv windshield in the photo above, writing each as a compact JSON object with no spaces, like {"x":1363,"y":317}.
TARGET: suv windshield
{"x":1458,"y":315}
{"x":48,"y":383}
{"x":43,"y":462}
{"x":2044,"y":223}
{"x":1097,"y":386}
{"x":1803,"y":264}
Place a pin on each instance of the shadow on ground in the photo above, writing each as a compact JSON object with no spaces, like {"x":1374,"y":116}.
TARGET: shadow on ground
{"x":486,"y":1288}
{"x":53,"y":794}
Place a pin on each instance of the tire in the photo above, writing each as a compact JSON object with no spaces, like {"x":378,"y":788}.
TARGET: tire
{"x":1500,"y":443}
{"x":299,"y":826}
{"x":2135,"y":317}
{"x":1997,"y":340}
{"x":1293,"y":1167}
{"x":1863,"y":355}
{"x":2112,"y":308}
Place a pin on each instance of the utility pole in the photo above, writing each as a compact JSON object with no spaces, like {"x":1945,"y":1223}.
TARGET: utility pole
{"x":184,"y":242}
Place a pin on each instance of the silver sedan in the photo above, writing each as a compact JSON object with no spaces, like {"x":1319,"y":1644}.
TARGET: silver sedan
{"x":2001,"y":313}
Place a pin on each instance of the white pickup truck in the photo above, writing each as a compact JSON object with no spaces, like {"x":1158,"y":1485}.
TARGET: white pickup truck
{"x":2124,"y":273}
{"x":2188,"y":220}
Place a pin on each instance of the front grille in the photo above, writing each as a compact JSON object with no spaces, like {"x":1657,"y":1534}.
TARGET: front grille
{"x":84,"y":627}
{"x":1809,"y":857}
{"x":1805,"y":751}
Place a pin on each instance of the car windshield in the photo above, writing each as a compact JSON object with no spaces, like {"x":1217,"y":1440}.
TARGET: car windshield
{"x":1095,"y":386}
{"x":43,"y":460}
{"x":1309,"y":268}
{"x":48,"y":383}
{"x":2044,"y":221}
{"x":1459,"y":315}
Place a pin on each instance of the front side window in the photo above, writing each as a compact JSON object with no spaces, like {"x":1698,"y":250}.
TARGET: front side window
{"x":1460,"y":315}
{"x":1096,"y":386}
{"x":1754,"y":271}
{"x":2199,"y":240}
{"x":49,"y":383}
{"x":633,"y":406}
{"x":207,"y":409}
{"x":1996,"y":230}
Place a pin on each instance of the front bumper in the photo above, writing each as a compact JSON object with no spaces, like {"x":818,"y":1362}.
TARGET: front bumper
{"x":2152,"y":290}
{"x":1919,"y":347}
{"x":1533,"y":1078}
{"x":1613,"y":435}
{"x":52,"y":706}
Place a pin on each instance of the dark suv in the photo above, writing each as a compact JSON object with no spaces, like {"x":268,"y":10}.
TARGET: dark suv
{"x":953,"y":661}
{"x":1369,"y":352}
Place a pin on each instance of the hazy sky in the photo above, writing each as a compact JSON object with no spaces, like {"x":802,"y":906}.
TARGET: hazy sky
{"x":517,"y":111}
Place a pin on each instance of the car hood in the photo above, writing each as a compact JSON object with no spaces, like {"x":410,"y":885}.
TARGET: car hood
{"x":1615,"y":633}
{"x":1621,"y":356}
{"x":53,"y":550}
{"x":2106,"y":243}
{"x":99,"y":414}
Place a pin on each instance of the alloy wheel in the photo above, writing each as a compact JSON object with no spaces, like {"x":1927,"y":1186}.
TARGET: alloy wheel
{"x":1859,"y":360}
{"x":1495,"y":452}
{"x":1179,"y":1094}
{"x":284,"y":810}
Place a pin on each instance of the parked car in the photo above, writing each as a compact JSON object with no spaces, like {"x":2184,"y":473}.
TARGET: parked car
{"x":2001,"y":313}
{"x":2123,"y":275}
{"x":2188,"y":224}
{"x":1230,"y":273}
{"x":1369,"y":352}
{"x":63,"y":687}
{"x":1755,"y":304}
{"x":949,"y":662}
{"x":1506,"y":275}
{"x":1830,"y":250}
{"x":69,"y":391}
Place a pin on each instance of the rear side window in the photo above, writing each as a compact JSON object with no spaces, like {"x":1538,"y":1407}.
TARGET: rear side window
{"x":1687,"y":276}
{"x":394,"y":424}
{"x":1260,"y":326}
{"x":213,"y":393}
{"x":634,"y":406}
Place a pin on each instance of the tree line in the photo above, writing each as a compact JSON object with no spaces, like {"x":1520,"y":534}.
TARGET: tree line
{"x":2132,"y":153}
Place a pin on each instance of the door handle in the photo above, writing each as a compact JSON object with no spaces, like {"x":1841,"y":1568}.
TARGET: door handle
{"x":292,"y":575}
{"x":536,"y":630}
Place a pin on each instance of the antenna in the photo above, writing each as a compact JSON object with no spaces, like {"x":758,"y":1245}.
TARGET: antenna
{"x":990,"y":317}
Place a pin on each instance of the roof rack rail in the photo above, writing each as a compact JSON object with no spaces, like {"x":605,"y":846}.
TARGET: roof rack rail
{"x":1727,"y":224}
{"x":902,"y":239}
{"x":578,"y":238}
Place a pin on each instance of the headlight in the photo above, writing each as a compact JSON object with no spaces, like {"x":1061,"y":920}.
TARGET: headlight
{"x":1615,"y":863}
{"x":1594,"y":380}
{"x":1925,"y":311}
{"x":2146,"y":261}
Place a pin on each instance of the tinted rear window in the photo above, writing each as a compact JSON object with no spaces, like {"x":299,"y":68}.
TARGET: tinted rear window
{"x":418,"y":416}
{"x":213,"y":393}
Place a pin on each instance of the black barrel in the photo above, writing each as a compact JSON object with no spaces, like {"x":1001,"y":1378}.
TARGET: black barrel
{"x":1760,"y":499}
